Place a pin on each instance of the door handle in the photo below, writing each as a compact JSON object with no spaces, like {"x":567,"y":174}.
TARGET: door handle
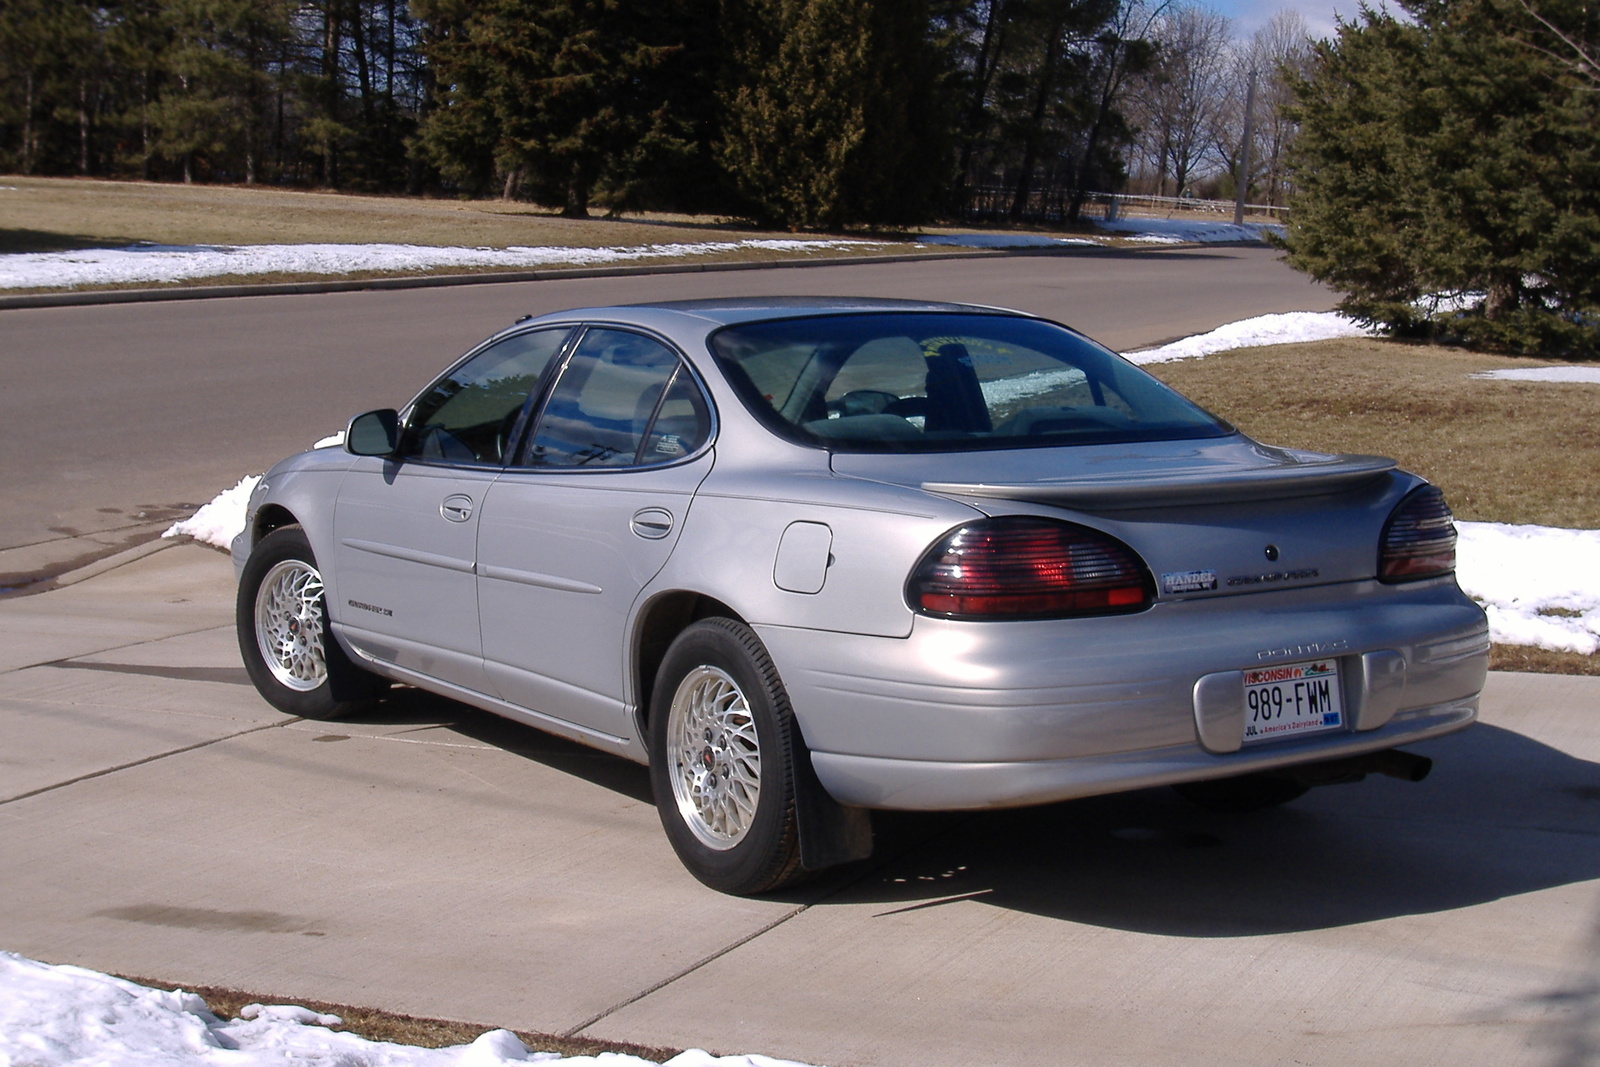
{"x":652,"y":523}
{"x":457,"y":507}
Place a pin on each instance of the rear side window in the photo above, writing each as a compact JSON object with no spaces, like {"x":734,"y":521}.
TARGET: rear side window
{"x":946,"y":381}
{"x":622,"y":400}
{"x":468,"y":415}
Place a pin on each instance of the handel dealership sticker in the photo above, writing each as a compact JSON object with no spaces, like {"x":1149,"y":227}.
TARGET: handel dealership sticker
{"x":1188,"y":581}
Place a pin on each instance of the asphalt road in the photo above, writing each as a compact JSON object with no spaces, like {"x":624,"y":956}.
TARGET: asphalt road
{"x":158,"y":818}
{"x":120,"y":418}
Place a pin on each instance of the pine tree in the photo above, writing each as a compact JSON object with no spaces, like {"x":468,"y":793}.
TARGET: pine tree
{"x":1444,"y":160}
{"x":836,"y":112}
{"x":558,"y":93}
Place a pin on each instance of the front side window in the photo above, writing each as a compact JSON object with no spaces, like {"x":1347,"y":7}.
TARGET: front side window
{"x":468,"y":415}
{"x":623,"y":400}
{"x":936,"y":381}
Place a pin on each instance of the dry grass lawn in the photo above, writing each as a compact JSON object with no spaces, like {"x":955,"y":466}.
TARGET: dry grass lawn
{"x":53,"y":214}
{"x":62,"y":214}
{"x":1502,"y":451}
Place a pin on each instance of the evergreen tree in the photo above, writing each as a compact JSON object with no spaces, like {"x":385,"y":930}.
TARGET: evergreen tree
{"x":836,"y":113}
{"x":1443,"y":160}
{"x":557,"y":92}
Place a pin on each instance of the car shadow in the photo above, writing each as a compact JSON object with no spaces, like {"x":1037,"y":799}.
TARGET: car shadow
{"x":1501,"y":815}
{"x":422,"y":711}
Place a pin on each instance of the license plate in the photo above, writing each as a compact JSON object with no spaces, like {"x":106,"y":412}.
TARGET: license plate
{"x":1291,"y":700}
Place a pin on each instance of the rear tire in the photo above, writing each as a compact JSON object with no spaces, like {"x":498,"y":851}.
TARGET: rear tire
{"x":1249,"y":792}
{"x":721,"y":759}
{"x":281,"y":616}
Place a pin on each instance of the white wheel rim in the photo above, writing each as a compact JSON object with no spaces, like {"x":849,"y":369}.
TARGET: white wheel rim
{"x":713,"y":757}
{"x":289,"y":625}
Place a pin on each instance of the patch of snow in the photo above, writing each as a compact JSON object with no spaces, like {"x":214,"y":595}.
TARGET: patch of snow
{"x":1451,"y":303}
{"x":172,"y":263}
{"x":333,"y":440}
{"x":1586,"y":375}
{"x":221,"y":520}
{"x":1183,"y":231}
{"x":1005,"y":391}
{"x":1001,"y":240}
{"x":1520,"y":573}
{"x":53,"y":1016}
{"x":1286,"y":328}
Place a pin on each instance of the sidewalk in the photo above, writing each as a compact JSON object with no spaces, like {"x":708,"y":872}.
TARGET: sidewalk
{"x":158,"y":819}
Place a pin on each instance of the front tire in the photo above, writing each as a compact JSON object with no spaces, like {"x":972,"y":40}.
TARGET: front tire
{"x":722,"y":759}
{"x":281,"y":616}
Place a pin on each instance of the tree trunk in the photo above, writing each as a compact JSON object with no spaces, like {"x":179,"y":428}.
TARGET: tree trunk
{"x":332,"y":34}
{"x":983,"y":75}
{"x":83,"y":126}
{"x":358,"y":40}
{"x":577,"y":205}
{"x":1501,"y":298}
{"x":27,"y":123}
{"x":1041,"y":104}
{"x":144,"y":124}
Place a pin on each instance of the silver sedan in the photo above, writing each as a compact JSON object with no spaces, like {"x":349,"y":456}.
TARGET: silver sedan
{"x":807,"y":559}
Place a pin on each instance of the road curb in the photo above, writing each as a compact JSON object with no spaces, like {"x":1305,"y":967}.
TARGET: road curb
{"x":431,"y":281}
{"x":112,"y":562}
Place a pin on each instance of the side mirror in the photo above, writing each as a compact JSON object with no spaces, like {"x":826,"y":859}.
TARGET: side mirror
{"x":376,"y":433}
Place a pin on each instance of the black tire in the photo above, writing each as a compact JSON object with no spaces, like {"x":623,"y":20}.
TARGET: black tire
{"x":295,"y":662}
{"x":720,"y":726}
{"x":1248,"y":792}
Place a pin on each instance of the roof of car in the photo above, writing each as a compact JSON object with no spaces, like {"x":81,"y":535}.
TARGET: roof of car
{"x":730,"y":310}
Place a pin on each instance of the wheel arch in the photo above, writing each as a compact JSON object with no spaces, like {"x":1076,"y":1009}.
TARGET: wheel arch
{"x":271,"y":517}
{"x":829,"y":832}
{"x":661,"y":620}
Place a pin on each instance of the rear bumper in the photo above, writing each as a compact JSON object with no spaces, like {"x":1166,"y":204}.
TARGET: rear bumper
{"x":980,"y":715}
{"x":929,"y":785}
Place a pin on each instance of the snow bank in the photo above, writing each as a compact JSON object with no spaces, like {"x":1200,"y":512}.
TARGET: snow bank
{"x":220,"y":521}
{"x":1586,"y":375}
{"x":1185,"y":231}
{"x":1286,"y":328}
{"x":54,"y":1016}
{"x":149,"y":263}
{"x":1001,"y":240}
{"x":1539,"y":585}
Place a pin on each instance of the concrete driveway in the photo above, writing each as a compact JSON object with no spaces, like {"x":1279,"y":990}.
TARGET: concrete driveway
{"x":158,"y":819}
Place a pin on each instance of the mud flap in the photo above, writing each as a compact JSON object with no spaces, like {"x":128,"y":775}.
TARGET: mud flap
{"x":830,"y":832}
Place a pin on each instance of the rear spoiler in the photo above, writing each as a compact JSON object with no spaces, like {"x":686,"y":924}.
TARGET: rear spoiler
{"x":1174,"y":488}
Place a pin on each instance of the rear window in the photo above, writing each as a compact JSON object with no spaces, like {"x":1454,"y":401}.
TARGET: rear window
{"x":930,"y":382}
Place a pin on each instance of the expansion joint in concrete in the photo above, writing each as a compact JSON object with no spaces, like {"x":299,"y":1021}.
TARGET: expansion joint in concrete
{"x":147,"y":759}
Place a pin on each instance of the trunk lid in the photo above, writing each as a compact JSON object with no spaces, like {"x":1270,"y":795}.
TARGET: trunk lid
{"x":1210,"y":518}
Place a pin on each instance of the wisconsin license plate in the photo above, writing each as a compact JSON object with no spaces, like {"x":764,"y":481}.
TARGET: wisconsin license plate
{"x":1291,"y":700}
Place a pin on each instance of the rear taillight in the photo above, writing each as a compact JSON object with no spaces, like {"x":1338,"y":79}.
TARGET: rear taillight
{"x":1419,"y":540}
{"x":1025,"y":568}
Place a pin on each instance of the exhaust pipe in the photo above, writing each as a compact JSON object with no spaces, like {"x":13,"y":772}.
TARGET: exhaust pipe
{"x":1406,"y":766}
